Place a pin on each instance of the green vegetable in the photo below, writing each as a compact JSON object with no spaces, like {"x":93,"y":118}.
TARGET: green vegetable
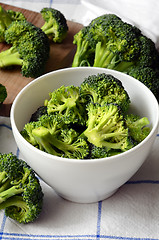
{"x":109,"y":42}
{"x":6,"y":18}
{"x":104,"y":88}
{"x":55,"y":26}
{"x":20,"y":192}
{"x":3,"y":93}
{"x":30,"y":48}
{"x":89,"y":121}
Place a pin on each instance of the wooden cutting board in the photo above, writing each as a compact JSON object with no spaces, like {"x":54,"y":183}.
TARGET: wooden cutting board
{"x":61,"y":56}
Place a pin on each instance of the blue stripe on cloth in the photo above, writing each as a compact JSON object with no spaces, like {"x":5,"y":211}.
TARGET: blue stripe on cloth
{"x":68,"y":237}
{"x":99,"y":219}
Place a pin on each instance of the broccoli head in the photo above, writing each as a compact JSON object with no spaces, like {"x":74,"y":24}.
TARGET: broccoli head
{"x":30,"y":49}
{"x":6,"y":18}
{"x":138,"y":127}
{"x":55,"y":26}
{"x":104,"y":88}
{"x":65,"y":101}
{"x":20,"y":192}
{"x":148,"y":76}
{"x":3,"y":93}
{"x":106,"y":127}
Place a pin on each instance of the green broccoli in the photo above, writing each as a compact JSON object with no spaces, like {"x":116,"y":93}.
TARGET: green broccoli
{"x":104,"y":88}
{"x":109,"y":42}
{"x":138,"y":127}
{"x":20,"y":192}
{"x":86,"y":121}
{"x":55,"y":26}
{"x":30,"y":48}
{"x":6,"y":18}
{"x":148,"y":76}
{"x":106,"y":127}
{"x":3,"y":93}
{"x":66,"y":102}
{"x":51,"y":134}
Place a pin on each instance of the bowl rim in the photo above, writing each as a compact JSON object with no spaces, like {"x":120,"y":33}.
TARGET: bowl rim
{"x":79,"y":161}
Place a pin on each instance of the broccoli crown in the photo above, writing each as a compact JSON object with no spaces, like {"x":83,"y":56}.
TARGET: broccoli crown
{"x":148,"y":77}
{"x":30,"y":48}
{"x":5,"y":21}
{"x":106,"y":127}
{"x":55,"y":25}
{"x":3,"y":93}
{"x":16,"y":15}
{"x":109,"y":42}
{"x":104,"y":88}
{"x":138,"y":127}
{"x":51,"y":134}
{"x":20,"y":192}
{"x":66,"y":102}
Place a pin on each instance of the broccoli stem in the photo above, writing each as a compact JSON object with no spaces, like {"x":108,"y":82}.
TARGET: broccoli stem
{"x":49,"y":142}
{"x":81,"y":53}
{"x":12,"y":191}
{"x":48,"y":27}
{"x":10,"y":57}
{"x":104,"y":57}
{"x":16,"y":201}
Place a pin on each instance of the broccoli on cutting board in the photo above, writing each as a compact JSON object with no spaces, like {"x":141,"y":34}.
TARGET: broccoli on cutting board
{"x":3,"y":93}
{"x":29,"y":49}
{"x":20,"y":192}
{"x":55,"y":26}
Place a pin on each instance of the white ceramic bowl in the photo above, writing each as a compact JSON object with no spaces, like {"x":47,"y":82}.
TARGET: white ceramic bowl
{"x":83,"y":181}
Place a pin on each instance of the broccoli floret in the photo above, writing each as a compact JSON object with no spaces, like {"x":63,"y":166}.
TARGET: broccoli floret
{"x":55,"y":26}
{"x":3,"y":93}
{"x":65,"y":101}
{"x":51,"y":134}
{"x":106,"y":127}
{"x":16,"y":15}
{"x":148,"y":77}
{"x":6,"y":18}
{"x":104,"y":88}
{"x":138,"y":127}
{"x":30,"y":48}
{"x":20,"y":192}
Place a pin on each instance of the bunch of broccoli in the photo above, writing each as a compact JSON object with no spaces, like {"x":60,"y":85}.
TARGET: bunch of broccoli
{"x":108,"y":42}
{"x":86,"y":121}
{"x":30,"y":45}
{"x":20,"y":192}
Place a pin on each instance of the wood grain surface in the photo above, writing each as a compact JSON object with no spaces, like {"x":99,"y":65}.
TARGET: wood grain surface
{"x":61,"y":56}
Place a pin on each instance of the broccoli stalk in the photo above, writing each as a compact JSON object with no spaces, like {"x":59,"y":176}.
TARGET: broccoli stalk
{"x":10,"y":57}
{"x":20,"y":192}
